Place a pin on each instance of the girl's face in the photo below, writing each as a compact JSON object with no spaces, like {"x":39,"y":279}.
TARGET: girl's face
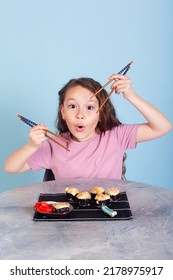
{"x":79,"y":112}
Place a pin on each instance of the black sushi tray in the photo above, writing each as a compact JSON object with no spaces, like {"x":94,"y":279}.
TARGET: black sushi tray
{"x":89,"y":213}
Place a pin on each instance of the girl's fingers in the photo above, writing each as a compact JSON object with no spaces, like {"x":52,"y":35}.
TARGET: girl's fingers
{"x":38,"y":133}
{"x":118,"y":77}
{"x":121,"y":84}
{"x":40,"y":126}
{"x":120,"y":89}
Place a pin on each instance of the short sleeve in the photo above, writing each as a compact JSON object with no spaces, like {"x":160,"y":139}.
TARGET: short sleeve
{"x":127,"y":135}
{"x":42,"y":158}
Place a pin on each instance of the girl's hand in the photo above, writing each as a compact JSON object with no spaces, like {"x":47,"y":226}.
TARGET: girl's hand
{"x":37,"y":135}
{"x":122,"y":85}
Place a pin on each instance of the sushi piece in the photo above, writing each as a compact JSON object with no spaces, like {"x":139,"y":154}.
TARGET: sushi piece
{"x":83,"y":199}
{"x":61,"y":207}
{"x":102,"y":199}
{"x":96,"y":190}
{"x":71,"y":193}
{"x":113,"y":192}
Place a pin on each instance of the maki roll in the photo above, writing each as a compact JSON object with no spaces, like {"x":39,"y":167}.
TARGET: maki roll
{"x":113,"y":192}
{"x":83,"y":199}
{"x":61,"y":207}
{"x":102,"y":199}
{"x":71,"y":193}
{"x":96,"y":190}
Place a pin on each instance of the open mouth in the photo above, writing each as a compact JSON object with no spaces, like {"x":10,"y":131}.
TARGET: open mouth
{"x":79,"y":128}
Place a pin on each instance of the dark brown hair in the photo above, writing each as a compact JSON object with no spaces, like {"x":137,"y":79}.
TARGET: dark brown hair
{"x":108,"y":118}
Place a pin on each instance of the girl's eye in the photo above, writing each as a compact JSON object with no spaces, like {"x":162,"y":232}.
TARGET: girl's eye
{"x":90,"y":107}
{"x":72,"y":106}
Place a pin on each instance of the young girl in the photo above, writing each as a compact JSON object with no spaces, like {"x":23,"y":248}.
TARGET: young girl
{"x":98,"y":140}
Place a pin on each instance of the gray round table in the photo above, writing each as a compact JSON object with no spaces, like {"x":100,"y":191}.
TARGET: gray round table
{"x":149,"y":235}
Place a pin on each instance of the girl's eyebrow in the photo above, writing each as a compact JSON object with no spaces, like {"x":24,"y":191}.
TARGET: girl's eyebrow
{"x":89,"y":100}
{"x":95,"y":101}
{"x":70,"y":99}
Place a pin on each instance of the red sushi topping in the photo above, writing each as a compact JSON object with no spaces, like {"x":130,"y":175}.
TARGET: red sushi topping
{"x":43,"y":207}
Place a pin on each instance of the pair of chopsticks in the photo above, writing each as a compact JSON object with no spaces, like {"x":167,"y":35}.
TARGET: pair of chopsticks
{"x":31,"y":124}
{"x":122,"y":71}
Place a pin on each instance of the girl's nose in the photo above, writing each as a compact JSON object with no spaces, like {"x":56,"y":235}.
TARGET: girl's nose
{"x":80,"y":114}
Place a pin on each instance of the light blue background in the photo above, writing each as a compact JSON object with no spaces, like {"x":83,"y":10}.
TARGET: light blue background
{"x":44,"y":43}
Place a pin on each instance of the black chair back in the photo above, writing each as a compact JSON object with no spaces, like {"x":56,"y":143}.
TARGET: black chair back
{"x":48,"y":175}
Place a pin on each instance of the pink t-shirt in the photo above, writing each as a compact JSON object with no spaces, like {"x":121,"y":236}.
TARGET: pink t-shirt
{"x":99,"y":157}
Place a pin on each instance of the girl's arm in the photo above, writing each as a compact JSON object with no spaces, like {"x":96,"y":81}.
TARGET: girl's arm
{"x":157,"y":124}
{"x":17,"y":161}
